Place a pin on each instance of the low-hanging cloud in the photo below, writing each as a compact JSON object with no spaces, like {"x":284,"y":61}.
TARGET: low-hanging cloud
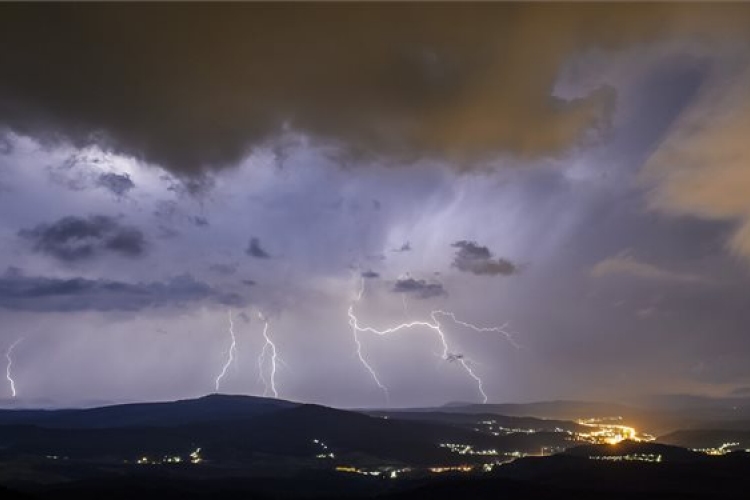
{"x":421,"y":289}
{"x":32,"y":293}
{"x":78,"y":238}
{"x":255,"y":249}
{"x":476,"y":259}
{"x":212,"y":81}
{"x":117,"y":184}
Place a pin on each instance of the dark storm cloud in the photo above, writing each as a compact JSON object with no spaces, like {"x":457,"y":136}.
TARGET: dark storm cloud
{"x":248,"y":282}
{"x":201,"y":84}
{"x":256,"y":250}
{"x":117,"y":184}
{"x":6,"y":147}
{"x":477,"y":259}
{"x":26,"y":293}
{"x":370,"y":274}
{"x":76,"y":238}
{"x":419,"y":288}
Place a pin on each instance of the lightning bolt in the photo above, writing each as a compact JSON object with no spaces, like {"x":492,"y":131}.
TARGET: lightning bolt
{"x":503,"y":329}
{"x":8,"y":374}
{"x":231,"y":354}
{"x":477,"y":379}
{"x":355,"y":335}
{"x":434,"y":326}
{"x":269,"y":346}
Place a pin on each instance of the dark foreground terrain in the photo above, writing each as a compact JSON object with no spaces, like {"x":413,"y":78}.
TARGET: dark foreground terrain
{"x":558,"y":477}
{"x":243,"y":447}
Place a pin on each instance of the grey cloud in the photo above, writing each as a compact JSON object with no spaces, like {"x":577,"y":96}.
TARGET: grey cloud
{"x":75,"y":238}
{"x":370,"y":274}
{"x":6,"y":147}
{"x":22,"y":293}
{"x":256,"y":250}
{"x":476,"y":259}
{"x":117,"y":184}
{"x":248,"y":282}
{"x":435,"y":86}
{"x":83,"y":169}
{"x":419,"y":288}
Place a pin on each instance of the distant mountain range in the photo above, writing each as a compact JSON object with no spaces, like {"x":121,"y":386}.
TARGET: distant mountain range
{"x":188,"y":411}
{"x":269,"y":448}
{"x":240,"y":428}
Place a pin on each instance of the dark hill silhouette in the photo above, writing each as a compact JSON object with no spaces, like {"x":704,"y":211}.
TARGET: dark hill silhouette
{"x":213,"y":407}
{"x":707,"y":438}
{"x":236,"y":428}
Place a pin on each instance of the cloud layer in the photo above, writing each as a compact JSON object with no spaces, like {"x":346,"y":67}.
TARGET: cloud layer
{"x":476,"y":259}
{"x":421,"y":289}
{"x":201,"y":84}
{"x":78,"y":238}
{"x":39,"y":294}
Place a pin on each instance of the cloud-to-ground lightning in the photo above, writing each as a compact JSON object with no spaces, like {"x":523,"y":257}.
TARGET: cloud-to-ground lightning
{"x":9,"y":366}
{"x":358,"y":343}
{"x":436,"y":327}
{"x":269,"y":346}
{"x":230,"y":355}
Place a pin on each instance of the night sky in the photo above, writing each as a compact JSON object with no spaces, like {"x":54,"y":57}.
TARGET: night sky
{"x":578,"y":173}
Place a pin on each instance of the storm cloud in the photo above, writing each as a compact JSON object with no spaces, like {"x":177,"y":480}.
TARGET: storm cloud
{"x":40,"y":294}
{"x":421,"y":289}
{"x":77,"y":238}
{"x":254,"y":249}
{"x":554,"y":134}
{"x":215,"y":80}
{"x":476,"y":259}
{"x":117,"y":184}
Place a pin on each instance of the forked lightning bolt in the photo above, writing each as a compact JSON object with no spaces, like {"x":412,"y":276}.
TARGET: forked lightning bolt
{"x":436,"y":327}
{"x":9,"y":366}
{"x":230,"y":355}
{"x":503,"y":329}
{"x":269,"y":346}
{"x":355,"y":334}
